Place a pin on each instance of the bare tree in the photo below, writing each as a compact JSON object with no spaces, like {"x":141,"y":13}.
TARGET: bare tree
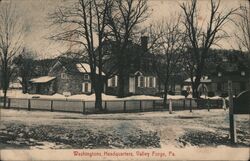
{"x":25,"y":68}
{"x":201,"y":36}
{"x":83,"y":23}
{"x":167,"y":44}
{"x":124,"y":18}
{"x":243,"y":25}
{"x":11,"y":34}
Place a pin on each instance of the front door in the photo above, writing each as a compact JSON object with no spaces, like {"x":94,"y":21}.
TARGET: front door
{"x":132,"y":84}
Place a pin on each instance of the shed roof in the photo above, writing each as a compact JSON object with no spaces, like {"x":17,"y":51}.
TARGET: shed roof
{"x":43,"y":79}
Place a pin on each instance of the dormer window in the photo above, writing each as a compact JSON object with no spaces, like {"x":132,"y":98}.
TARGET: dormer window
{"x":224,"y":59}
{"x":243,"y":73}
{"x":64,"y":76}
{"x":219,"y":74}
{"x":86,"y":77}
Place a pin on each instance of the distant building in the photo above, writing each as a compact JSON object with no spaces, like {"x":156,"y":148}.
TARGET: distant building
{"x":239,"y":74}
{"x":217,"y":81}
{"x":204,"y":87}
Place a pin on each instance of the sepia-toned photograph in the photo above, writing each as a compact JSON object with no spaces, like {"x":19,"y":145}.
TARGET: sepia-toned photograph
{"x":124,"y":80}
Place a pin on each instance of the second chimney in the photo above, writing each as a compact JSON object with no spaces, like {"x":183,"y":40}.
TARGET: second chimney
{"x":144,"y":43}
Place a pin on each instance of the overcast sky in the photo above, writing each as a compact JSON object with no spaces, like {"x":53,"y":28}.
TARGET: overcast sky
{"x":34,"y":13}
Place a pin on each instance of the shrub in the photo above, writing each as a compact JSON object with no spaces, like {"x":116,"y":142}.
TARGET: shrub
{"x":171,"y":93}
{"x":184,"y":93}
{"x":210,"y":94}
{"x":224,"y":94}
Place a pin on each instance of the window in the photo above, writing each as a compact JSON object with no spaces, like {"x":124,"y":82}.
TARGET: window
{"x":242,"y":86}
{"x":64,"y":76}
{"x":151,"y":82}
{"x":112,"y":82}
{"x":148,"y":82}
{"x":141,"y":81}
{"x":86,"y":77}
{"x":219,"y":86}
{"x":86,"y":87}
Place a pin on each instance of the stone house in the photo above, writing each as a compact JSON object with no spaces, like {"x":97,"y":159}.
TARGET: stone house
{"x":65,"y":77}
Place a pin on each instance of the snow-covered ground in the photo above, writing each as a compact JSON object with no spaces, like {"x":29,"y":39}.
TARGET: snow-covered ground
{"x":84,"y":97}
{"x":182,"y":129}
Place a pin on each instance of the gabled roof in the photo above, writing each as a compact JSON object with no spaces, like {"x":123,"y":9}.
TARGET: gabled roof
{"x":85,"y":68}
{"x":75,"y":66}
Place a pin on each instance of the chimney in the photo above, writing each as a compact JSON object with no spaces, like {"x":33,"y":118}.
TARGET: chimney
{"x":144,"y":43}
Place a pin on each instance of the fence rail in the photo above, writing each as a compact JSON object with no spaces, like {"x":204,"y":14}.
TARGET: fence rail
{"x":110,"y":106}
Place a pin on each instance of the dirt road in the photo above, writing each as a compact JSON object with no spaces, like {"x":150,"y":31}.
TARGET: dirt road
{"x":54,"y":130}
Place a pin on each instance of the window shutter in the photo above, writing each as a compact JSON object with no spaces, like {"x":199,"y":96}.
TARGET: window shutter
{"x":116,"y":80}
{"x":145,"y":81}
{"x":109,"y":82}
{"x":89,"y":87}
{"x":139,"y":81}
{"x":154,"y":82}
{"x":83,"y":87}
{"x":148,"y":82}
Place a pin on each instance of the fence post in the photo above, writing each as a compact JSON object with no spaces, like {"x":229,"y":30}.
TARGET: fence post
{"x":153,"y":105}
{"x":232,"y":122}
{"x":105,"y":105}
{"x":51,"y":106}
{"x":140,"y":106}
{"x":9,"y":102}
{"x":208,"y":105}
{"x":184,"y":103}
{"x":170,"y":106}
{"x":29,"y":105}
{"x":190,"y":105}
{"x":83,"y":107}
{"x":124,"y":106}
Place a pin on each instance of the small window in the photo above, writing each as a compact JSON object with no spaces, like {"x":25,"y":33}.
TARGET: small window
{"x":86,"y":77}
{"x":64,"y":76}
{"x":219,"y":86}
{"x":242,"y":86}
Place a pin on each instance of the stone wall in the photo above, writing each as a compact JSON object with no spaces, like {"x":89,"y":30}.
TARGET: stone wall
{"x":70,"y":83}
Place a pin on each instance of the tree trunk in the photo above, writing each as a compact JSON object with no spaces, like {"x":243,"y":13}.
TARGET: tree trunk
{"x":121,"y":86}
{"x":195,"y":91}
{"x":98,"y":87}
{"x":165,"y":96}
{"x":98,"y":99}
{"x":4,"y":98}
{"x":25,"y":87}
